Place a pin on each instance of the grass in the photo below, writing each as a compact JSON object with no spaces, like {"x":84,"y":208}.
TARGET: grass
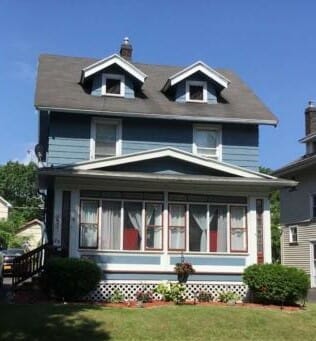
{"x":84,"y":322}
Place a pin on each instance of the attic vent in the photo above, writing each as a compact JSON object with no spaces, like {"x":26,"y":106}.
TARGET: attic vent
{"x":126,"y":49}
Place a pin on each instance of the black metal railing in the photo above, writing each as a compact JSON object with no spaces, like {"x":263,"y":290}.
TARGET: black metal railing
{"x":29,"y":264}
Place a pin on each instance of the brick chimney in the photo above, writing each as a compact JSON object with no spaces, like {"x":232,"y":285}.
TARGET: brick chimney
{"x":126,"y":49}
{"x":310,"y":118}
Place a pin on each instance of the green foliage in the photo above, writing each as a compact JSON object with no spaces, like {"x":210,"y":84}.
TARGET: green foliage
{"x":227,"y":296}
{"x":69,"y":278}
{"x":171,"y":292}
{"x":276,"y":283}
{"x":275,"y":220}
{"x":204,"y":296}
{"x":117,"y":296}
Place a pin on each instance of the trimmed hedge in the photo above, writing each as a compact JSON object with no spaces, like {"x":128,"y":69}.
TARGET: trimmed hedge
{"x":71,"y":279}
{"x":276,"y":283}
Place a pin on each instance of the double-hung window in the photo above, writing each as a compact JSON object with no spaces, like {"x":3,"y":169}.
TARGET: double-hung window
{"x":105,"y":138}
{"x":113,"y":85}
{"x":207,"y":141}
{"x":293,"y":237}
{"x":196,"y":91}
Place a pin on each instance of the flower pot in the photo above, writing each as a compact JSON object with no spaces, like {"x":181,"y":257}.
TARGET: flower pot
{"x":182,"y":278}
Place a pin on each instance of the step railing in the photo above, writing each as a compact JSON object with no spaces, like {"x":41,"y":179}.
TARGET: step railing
{"x":28,"y":265}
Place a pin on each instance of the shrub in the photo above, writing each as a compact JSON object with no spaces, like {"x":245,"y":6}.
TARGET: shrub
{"x":71,"y":279}
{"x":204,"y":296}
{"x":117,"y":296}
{"x":171,"y":292}
{"x":226,"y":296}
{"x":276,"y":283}
{"x":144,"y":296}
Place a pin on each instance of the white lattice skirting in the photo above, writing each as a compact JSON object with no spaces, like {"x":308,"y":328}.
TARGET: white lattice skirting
{"x":129,"y":289}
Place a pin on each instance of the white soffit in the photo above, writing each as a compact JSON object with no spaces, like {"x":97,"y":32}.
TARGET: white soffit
{"x":114,"y":59}
{"x":194,"y":68}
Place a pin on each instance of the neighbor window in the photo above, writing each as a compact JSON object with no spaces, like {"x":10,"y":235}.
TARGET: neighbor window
{"x":293,"y":235}
{"x":196,"y":91}
{"x":89,"y":224}
{"x":113,"y":85}
{"x":314,"y":206}
{"x":206,"y":141}
{"x":238,"y":229}
{"x":105,"y":138}
{"x":177,"y":226}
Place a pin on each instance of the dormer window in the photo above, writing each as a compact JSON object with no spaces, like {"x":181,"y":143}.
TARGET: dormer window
{"x":113,"y":85}
{"x":196,"y":91}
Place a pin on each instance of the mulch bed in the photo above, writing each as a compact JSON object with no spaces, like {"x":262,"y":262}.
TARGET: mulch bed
{"x":33,"y":296}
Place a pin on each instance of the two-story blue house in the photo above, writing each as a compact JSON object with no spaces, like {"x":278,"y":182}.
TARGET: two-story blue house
{"x":144,"y":164}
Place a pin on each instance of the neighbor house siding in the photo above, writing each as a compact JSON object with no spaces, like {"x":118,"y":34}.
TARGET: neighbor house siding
{"x":296,"y":204}
{"x":298,"y":255}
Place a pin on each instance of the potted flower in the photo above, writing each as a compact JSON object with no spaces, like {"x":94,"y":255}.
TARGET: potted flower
{"x":183,"y":270}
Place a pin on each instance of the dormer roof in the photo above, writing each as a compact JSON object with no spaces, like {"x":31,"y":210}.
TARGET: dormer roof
{"x":114,"y":59}
{"x":198,"y":66}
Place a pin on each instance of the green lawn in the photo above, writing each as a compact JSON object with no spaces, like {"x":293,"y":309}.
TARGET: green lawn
{"x":82,"y":322}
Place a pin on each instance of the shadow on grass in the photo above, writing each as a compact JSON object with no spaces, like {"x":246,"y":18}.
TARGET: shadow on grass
{"x":51,"y":322}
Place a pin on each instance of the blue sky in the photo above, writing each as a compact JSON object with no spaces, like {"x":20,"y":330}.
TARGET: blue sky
{"x":270,"y":44}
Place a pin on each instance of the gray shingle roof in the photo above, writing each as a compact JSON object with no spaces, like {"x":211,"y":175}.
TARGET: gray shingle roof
{"x":58,"y":88}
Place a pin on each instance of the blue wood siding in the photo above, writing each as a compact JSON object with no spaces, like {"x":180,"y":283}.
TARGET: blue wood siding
{"x":181,"y":89}
{"x":214,"y":261}
{"x":140,"y":135}
{"x":69,"y":139}
{"x":97,"y":82}
{"x":172,"y":277}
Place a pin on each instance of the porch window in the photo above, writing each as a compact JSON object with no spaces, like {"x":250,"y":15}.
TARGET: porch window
{"x":177,"y":227}
{"x":218,"y":229}
{"x":132,"y":226}
{"x":293,"y":239}
{"x":105,"y":138}
{"x":89,"y":224}
{"x":111,"y":225}
{"x":154,"y":226}
{"x":238,"y":229}
{"x":206,"y":141}
{"x":198,"y":228}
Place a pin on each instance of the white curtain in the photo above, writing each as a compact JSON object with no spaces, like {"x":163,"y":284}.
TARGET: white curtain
{"x":89,"y":224}
{"x":177,"y":227}
{"x":238,"y":225}
{"x":134,"y":211}
{"x":154,"y":218}
{"x":111,"y":225}
{"x":198,"y":214}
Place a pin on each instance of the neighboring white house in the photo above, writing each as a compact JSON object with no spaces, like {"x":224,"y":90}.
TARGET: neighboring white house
{"x":4,"y":208}
{"x":34,"y":232}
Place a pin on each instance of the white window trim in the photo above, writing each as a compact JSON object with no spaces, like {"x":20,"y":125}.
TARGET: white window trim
{"x":106,"y":76}
{"x":118,"y":124}
{"x":291,"y":241}
{"x":195,"y":83}
{"x":219,"y":144}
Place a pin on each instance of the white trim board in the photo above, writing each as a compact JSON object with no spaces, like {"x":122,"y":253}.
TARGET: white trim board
{"x":173,"y":153}
{"x":108,"y":61}
{"x":6,"y":203}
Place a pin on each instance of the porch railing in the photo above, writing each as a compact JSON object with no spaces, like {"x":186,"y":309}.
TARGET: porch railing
{"x":27,"y":265}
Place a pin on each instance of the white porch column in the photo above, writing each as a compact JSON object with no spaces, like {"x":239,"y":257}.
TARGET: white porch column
{"x":74,"y":224}
{"x":267,"y":231}
{"x":252,"y":231}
